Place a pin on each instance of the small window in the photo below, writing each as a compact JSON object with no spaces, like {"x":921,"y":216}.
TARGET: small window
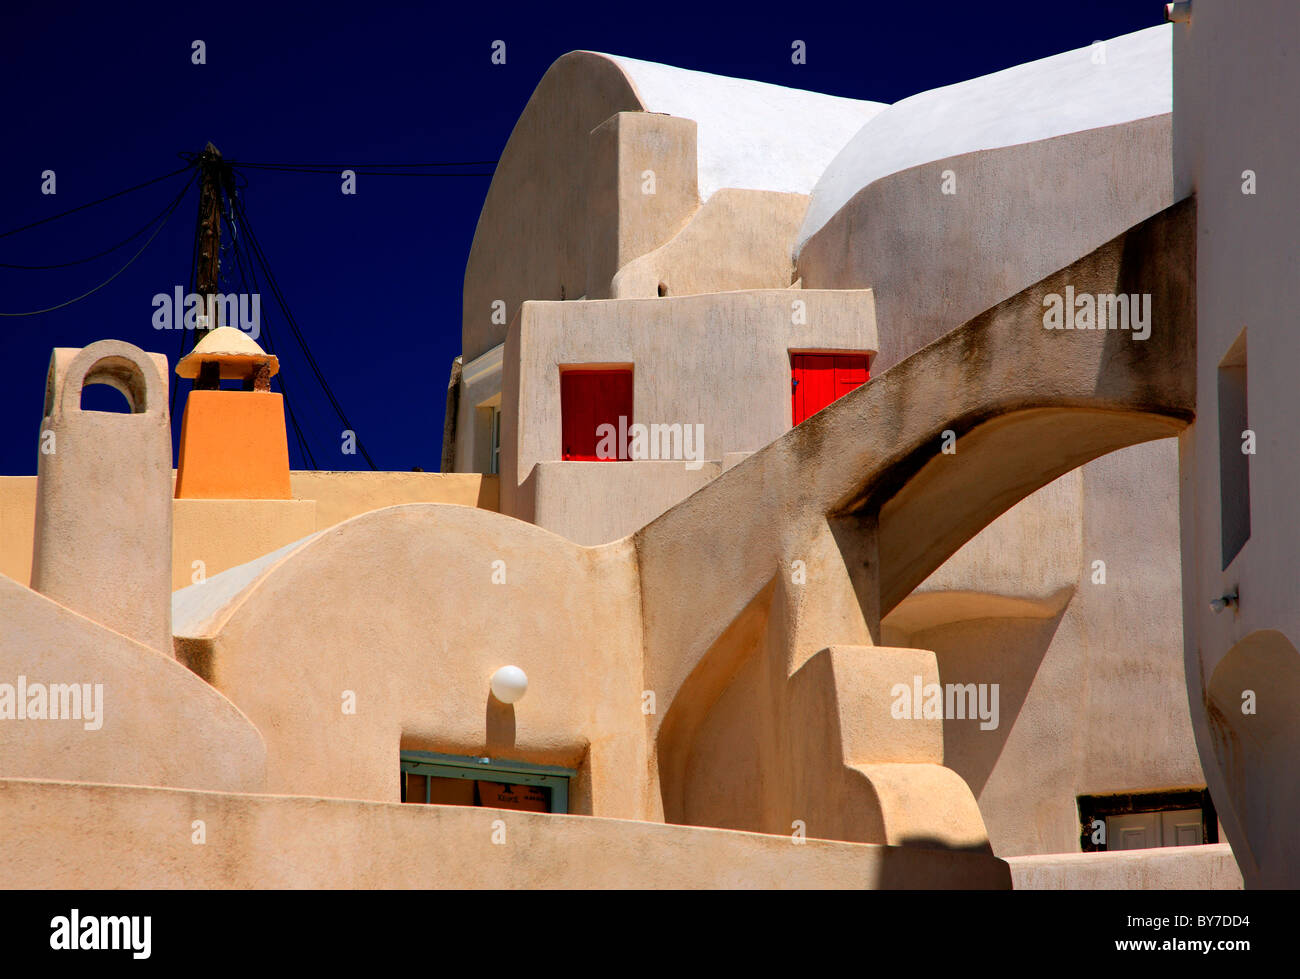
{"x":816,"y":380}
{"x":590,"y":399}
{"x":1141,"y":820}
{"x":461,"y":780}
{"x":487,"y":437}
{"x":1234,"y":461}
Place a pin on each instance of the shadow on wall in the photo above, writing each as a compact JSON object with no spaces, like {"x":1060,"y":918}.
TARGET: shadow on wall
{"x":499,"y":723}
{"x":897,"y":872}
{"x":710,"y":758}
{"x":1006,"y":652}
{"x":1253,"y":706}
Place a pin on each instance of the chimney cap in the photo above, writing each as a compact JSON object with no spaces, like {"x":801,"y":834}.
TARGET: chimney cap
{"x":236,"y":352}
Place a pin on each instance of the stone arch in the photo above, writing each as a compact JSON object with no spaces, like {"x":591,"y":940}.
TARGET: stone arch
{"x":140,"y":378}
{"x":125,"y":377}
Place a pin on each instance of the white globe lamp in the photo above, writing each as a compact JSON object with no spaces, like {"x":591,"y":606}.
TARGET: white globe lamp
{"x":509,"y":684}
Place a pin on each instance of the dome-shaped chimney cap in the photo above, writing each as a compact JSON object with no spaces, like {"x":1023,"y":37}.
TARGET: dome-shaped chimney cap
{"x":236,"y":352}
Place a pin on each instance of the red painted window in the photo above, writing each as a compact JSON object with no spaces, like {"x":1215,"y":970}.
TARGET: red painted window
{"x":818,"y":379}
{"x":589,"y":399}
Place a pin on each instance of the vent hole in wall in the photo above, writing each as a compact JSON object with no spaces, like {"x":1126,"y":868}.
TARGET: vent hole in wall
{"x":663,"y":290}
{"x":105,"y":398}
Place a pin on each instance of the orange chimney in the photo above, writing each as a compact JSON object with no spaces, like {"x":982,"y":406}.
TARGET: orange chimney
{"x":233,"y":443}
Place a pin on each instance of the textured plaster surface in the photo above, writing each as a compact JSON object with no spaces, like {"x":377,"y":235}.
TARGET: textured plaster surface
{"x":256,"y":841}
{"x":752,"y":134}
{"x":1065,"y":93}
{"x":1235,"y":80}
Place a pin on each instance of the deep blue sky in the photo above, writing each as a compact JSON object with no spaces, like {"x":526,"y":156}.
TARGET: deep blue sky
{"x":106,"y":96}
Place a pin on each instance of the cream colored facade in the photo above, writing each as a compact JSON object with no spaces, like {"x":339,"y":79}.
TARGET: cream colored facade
{"x":209,"y":536}
{"x":1234,"y":130}
{"x":1088,"y":654}
{"x":714,"y":647}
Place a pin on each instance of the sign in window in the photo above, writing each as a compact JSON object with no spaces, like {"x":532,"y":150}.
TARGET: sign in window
{"x":429,"y":778}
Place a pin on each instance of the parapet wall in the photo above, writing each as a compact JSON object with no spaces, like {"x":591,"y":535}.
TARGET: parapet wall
{"x":223,"y":534}
{"x":144,"y":838}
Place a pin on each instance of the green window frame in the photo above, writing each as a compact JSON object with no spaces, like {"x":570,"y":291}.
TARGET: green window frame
{"x":431,"y":763}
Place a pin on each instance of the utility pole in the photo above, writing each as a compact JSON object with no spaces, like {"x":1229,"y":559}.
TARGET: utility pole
{"x":214,"y":176}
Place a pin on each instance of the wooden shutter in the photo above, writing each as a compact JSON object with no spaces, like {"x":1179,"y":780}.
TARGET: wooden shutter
{"x":589,"y":399}
{"x":818,"y":379}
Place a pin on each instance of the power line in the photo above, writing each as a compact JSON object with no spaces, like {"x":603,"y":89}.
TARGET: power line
{"x":189,"y":291}
{"x":260,"y":253}
{"x":302,"y":343}
{"x":238,"y":249}
{"x":334,"y":167}
{"x":167,"y":215}
{"x":360,"y":172}
{"x":106,"y":251}
{"x":64,"y":214}
{"x":256,"y":256}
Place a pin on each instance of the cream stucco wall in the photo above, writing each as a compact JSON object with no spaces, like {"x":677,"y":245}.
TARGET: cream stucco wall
{"x":17,"y":520}
{"x":598,"y":502}
{"x":1019,"y":213}
{"x":721,"y":361}
{"x":1194,"y":868}
{"x":405,"y":613}
{"x":140,"y":718}
{"x":739,"y":239}
{"x":1023,"y":587}
{"x":142,"y":838}
{"x":768,"y":614}
{"x":377,"y":622}
{"x":844,"y":493}
{"x":863,"y":557}
{"x":225,"y":533}
{"x":1092,"y":697}
{"x":533,"y":238}
{"x":103,"y":522}
{"x":1235,"y":81}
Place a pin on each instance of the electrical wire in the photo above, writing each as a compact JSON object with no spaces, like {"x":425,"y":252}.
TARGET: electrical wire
{"x":129,"y":190}
{"x":106,"y":251}
{"x":335,"y":167}
{"x":260,"y":253}
{"x":189,"y":290}
{"x":255,"y":256}
{"x":131,"y":261}
{"x":320,"y":377}
{"x":334,"y":171}
{"x":268,"y":341}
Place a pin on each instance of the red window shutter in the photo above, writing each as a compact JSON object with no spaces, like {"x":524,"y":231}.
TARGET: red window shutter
{"x":589,"y":399}
{"x":850,"y":372}
{"x":818,"y":379}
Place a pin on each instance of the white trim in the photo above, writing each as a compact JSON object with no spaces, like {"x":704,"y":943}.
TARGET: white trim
{"x":1105,"y":84}
{"x":751,"y":135}
{"x":483,"y":365}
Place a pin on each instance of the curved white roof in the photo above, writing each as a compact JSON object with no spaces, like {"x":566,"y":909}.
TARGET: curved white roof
{"x":751,"y":134}
{"x":1066,"y":93}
